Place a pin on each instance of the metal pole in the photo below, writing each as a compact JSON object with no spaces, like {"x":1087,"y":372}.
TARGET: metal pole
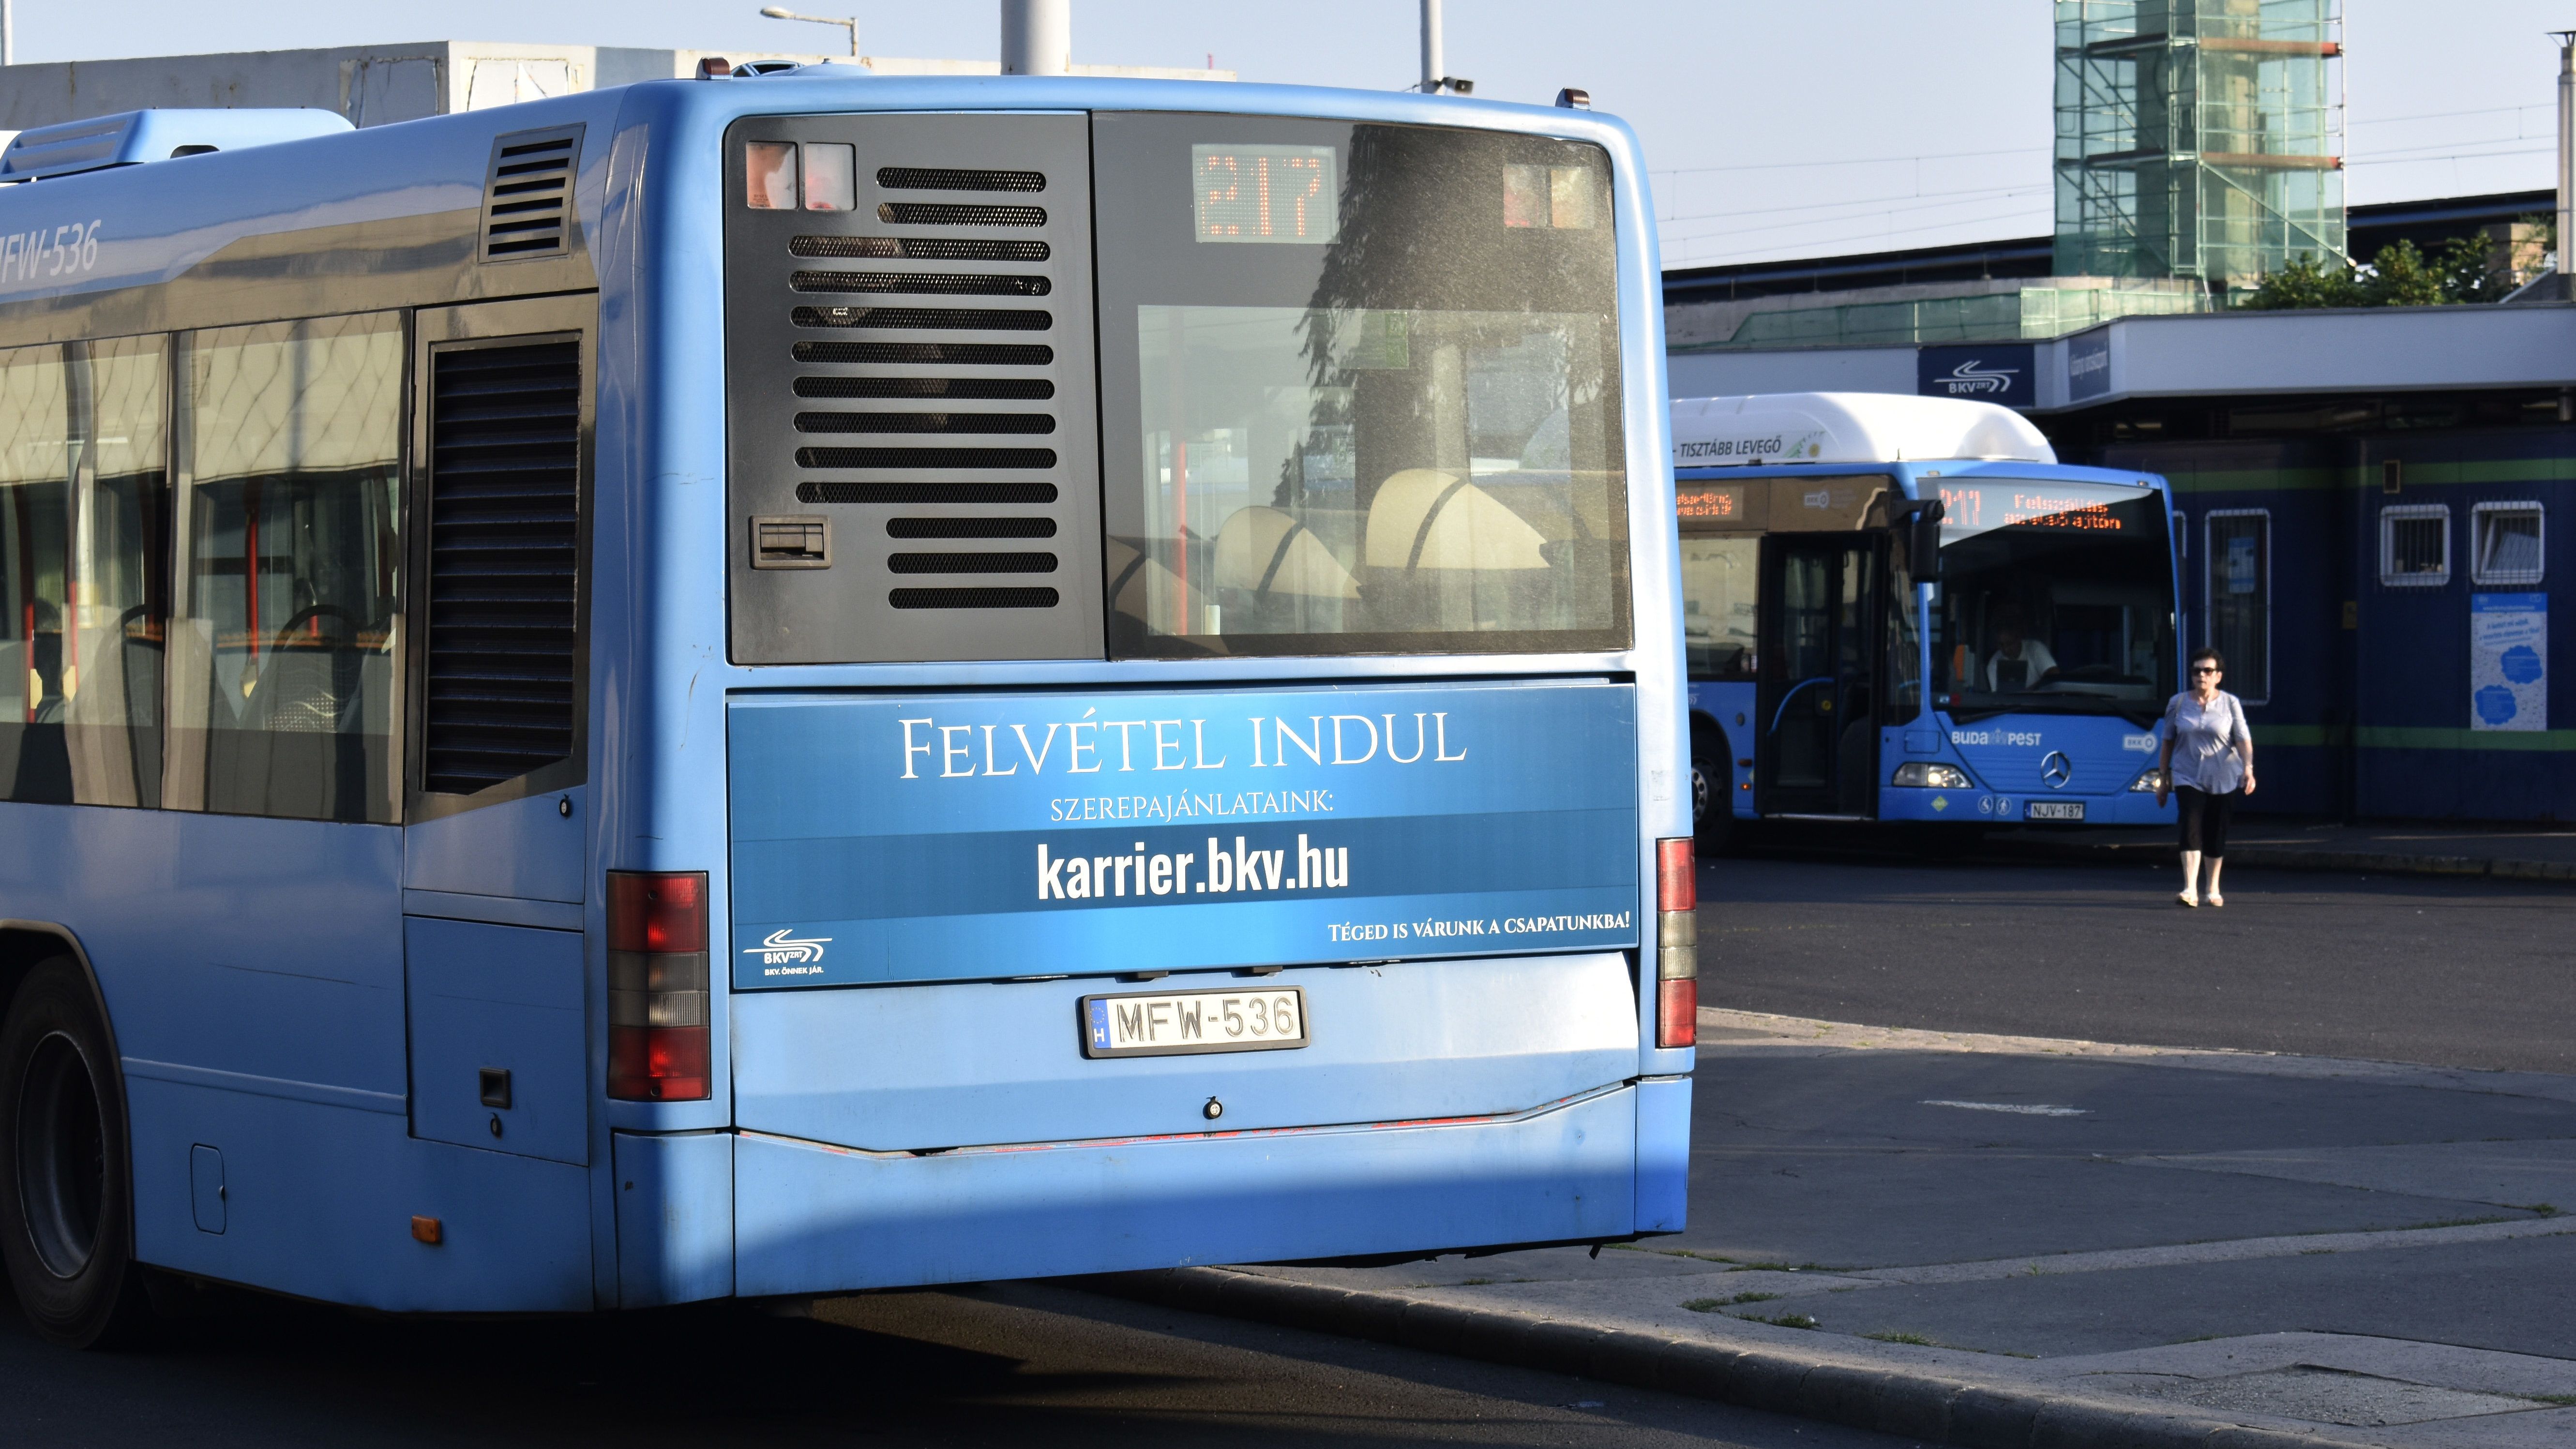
{"x":1037,"y":37}
{"x":1434,"y":68}
{"x":779,"y":12}
{"x":2566,"y":153}
{"x":8,"y":35}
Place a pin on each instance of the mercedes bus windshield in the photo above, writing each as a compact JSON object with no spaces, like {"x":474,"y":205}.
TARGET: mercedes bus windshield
{"x":2055,"y":597}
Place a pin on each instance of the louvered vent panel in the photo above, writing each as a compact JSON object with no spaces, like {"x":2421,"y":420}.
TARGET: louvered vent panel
{"x":915,"y":410}
{"x":527,"y":194}
{"x":504,"y":531}
{"x":932,"y":178}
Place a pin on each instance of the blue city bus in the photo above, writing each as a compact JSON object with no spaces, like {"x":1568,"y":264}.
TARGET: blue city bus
{"x":2044,"y":621}
{"x":577,"y":670}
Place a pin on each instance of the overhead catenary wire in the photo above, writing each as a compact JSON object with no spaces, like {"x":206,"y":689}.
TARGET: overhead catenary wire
{"x":1855,"y":161}
{"x":1859,"y":239}
{"x":1856,"y":201}
{"x":1831,"y":220}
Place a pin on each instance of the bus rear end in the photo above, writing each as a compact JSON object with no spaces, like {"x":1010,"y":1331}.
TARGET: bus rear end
{"x":1178,"y":761}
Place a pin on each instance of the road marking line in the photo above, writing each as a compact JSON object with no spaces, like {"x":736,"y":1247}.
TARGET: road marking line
{"x":2229,"y":1251}
{"x":2027,"y":1111}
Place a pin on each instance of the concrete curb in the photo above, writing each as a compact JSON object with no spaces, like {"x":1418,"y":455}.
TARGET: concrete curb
{"x":1916,"y":1402}
{"x":2347,"y":862}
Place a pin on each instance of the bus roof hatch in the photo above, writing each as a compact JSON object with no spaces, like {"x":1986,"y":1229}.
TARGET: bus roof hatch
{"x":1848,"y":427}
{"x":130,"y":138}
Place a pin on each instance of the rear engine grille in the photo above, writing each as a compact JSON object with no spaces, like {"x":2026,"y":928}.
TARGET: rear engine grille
{"x":970,"y":527}
{"x":954,"y":284}
{"x":927,"y":319}
{"x":961,"y":354}
{"x":981,"y":387}
{"x":919,"y":248}
{"x":925,"y":457}
{"x":973,"y":598}
{"x":814,"y":490}
{"x":953,"y":213}
{"x":911,"y":422}
{"x":935,"y":178}
{"x":504,"y":533}
{"x":972,"y":563}
{"x":924,"y":423}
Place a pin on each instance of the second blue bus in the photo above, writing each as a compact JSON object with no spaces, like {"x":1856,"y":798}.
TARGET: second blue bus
{"x":1906,"y":609}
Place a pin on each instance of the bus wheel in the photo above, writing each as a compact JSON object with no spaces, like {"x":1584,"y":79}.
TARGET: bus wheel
{"x":66,"y":1215}
{"x":1712,"y":801}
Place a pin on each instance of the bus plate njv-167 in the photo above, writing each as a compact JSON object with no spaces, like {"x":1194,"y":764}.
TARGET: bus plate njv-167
{"x":1186,"y":1022}
{"x":2053,"y":810}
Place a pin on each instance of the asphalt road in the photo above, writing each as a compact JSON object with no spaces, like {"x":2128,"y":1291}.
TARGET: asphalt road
{"x":2472,"y":973}
{"x":1003,"y":1365}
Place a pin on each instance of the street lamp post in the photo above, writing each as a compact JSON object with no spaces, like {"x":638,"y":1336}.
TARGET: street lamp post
{"x":780,"y":12}
{"x":2566,"y":156}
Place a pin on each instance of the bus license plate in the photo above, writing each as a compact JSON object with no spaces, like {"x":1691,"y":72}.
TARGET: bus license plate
{"x":1185,"y":1022}
{"x":2053,"y":810}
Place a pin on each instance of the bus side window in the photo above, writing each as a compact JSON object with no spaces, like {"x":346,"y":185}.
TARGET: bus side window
{"x":1719,"y":580}
{"x":83,"y":510}
{"x":287,"y":640}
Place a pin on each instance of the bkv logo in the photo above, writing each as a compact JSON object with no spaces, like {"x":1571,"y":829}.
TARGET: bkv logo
{"x":781,"y":949}
{"x":1972,"y":377}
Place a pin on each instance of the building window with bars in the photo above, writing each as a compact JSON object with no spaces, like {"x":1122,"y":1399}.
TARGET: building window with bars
{"x":2415,"y":546}
{"x":2504,"y":543}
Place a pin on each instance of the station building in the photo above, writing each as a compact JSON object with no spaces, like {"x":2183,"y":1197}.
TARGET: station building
{"x":2364,"y":501}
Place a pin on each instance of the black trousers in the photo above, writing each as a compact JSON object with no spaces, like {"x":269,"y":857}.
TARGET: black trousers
{"x":2204,"y":819}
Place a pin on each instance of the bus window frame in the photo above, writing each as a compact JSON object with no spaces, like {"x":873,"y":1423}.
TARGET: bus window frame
{"x":508,"y":322}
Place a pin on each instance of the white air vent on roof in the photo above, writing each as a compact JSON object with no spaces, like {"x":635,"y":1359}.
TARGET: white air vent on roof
{"x":131,"y":138}
{"x":527,"y":194}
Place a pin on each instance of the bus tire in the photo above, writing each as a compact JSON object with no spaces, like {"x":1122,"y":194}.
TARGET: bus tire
{"x":1712,"y":789}
{"x":66,"y":1193}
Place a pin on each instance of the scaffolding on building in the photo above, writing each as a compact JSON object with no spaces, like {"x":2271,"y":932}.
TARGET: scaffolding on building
{"x":2198,"y":139}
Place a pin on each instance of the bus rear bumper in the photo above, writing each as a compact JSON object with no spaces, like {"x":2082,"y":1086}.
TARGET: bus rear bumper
{"x":810,"y":1218}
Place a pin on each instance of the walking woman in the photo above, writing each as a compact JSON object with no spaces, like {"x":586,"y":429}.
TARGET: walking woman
{"x":2208,"y":763}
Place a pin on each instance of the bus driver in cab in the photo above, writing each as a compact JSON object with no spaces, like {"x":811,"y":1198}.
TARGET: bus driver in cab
{"x":2020,"y":663}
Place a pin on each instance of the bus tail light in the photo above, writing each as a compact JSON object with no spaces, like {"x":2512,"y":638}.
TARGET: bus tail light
{"x":1676,"y":944}
{"x":657,"y":986}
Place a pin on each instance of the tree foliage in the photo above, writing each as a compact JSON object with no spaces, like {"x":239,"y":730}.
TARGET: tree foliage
{"x":2462,"y":269}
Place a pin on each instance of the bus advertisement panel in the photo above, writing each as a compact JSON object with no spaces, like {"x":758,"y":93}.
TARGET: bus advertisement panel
{"x":925,"y":837}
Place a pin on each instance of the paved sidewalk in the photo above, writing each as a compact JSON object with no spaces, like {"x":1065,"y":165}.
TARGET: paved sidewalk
{"x":1983,"y":1240}
{"x":2546,"y":853}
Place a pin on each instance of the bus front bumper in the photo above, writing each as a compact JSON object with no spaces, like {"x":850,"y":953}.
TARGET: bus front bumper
{"x":1986,"y":807}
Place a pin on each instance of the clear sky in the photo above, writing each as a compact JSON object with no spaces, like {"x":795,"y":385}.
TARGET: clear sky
{"x":1776,"y":130}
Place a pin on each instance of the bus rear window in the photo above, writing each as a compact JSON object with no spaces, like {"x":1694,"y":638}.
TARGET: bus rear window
{"x":1394,"y":427}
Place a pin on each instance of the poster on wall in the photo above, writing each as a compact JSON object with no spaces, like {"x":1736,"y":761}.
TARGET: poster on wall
{"x":2508,"y":654}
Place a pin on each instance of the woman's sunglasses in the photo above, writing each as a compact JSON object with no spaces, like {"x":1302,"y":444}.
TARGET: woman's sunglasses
{"x":2204,"y":669}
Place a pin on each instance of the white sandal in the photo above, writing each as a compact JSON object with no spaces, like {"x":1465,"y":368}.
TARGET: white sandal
{"x":2185,"y":899}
